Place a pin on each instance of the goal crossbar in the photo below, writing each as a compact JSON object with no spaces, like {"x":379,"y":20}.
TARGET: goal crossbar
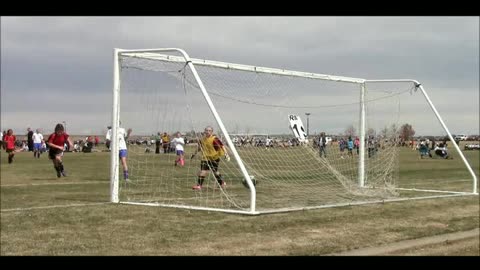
{"x":225,"y":65}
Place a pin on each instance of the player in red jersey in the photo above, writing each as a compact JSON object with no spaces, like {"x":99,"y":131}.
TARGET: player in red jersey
{"x":56,"y":142}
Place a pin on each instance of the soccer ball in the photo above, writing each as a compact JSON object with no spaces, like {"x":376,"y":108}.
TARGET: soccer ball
{"x":245,"y":183}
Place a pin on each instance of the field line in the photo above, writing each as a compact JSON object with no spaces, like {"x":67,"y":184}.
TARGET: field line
{"x":52,"y":206}
{"x":56,"y":183}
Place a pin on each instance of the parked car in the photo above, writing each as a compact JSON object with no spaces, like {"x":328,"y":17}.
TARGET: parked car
{"x":472,"y":147}
{"x":461,"y":137}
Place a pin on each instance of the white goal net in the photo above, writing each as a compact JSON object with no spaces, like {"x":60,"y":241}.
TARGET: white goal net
{"x":249,"y":110}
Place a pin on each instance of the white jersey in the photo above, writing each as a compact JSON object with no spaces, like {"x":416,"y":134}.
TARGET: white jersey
{"x":179,"y":143}
{"x":37,"y":137}
{"x":109,"y":135}
{"x":268,"y":142}
{"x":122,"y":145}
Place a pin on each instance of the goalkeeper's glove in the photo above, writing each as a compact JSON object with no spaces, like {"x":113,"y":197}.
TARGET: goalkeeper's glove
{"x":227,"y":157}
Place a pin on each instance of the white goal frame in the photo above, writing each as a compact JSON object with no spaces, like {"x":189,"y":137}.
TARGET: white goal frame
{"x":156,"y":54}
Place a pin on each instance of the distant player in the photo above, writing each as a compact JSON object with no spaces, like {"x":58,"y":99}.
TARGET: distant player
{"x":123,"y":152}
{"x":56,"y":142}
{"x":212,"y":150}
{"x":37,"y":143}
{"x":165,"y":142}
{"x":179,"y":142}
{"x":9,"y":144}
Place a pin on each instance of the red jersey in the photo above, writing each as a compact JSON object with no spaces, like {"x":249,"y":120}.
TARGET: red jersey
{"x":10,"y":141}
{"x":58,"y":140}
{"x":217,"y":144}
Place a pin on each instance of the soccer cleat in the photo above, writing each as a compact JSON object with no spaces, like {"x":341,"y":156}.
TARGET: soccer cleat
{"x":59,"y":174}
{"x":197,"y":187}
{"x":64,"y":174}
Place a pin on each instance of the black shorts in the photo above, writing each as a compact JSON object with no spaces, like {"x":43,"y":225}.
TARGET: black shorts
{"x":10,"y":150}
{"x":206,"y":165}
{"x":54,"y":152}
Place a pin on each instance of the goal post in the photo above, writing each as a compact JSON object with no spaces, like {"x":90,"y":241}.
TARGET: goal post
{"x":116,"y":104}
{"x":165,"y":91}
{"x":114,"y":158}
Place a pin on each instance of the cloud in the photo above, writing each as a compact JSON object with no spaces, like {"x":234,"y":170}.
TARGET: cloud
{"x":60,"y":68}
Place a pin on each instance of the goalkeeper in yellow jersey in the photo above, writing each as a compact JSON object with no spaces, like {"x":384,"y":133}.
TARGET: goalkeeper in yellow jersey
{"x":212,"y":150}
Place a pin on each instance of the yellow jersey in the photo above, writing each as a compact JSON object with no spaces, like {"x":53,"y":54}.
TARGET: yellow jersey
{"x":165,"y":139}
{"x":212,"y":148}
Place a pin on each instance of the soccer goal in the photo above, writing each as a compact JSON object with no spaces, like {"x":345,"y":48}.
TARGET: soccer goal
{"x":277,"y":163}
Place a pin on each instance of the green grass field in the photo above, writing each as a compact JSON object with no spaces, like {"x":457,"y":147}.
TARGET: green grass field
{"x":43,"y":215}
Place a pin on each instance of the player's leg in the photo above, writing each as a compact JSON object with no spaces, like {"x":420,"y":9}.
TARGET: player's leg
{"x":36,"y":150}
{"x":204,"y":168}
{"x":177,"y":159}
{"x":123,"y":159}
{"x":59,"y":161}
{"x":218,"y":176}
{"x":182,"y":159}
{"x":11,"y":154}
{"x":56,"y":166}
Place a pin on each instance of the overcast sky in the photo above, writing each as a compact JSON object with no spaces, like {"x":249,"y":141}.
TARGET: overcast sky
{"x":56,"y":69}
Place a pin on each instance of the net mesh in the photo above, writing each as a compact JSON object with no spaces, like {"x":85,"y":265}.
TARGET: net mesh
{"x":163,"y":96}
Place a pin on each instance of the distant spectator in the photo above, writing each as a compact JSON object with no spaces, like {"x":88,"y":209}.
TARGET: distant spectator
{"x":350,"y":146}
{"x":424,"y":151}
{"x":24,"y":146}
{"x":108,"y":137}
{"x":371,"y":146}
{"x":76,"y":146}
{"x":342,"y":144}
{"x":30,"y":139}
{"x":356,"y":144}
{"x":322,"y":143}
{"x":97,"y":140}
{"x":87,"y":147}
{"x":158,"y":141}
{"x":441,"y":151}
